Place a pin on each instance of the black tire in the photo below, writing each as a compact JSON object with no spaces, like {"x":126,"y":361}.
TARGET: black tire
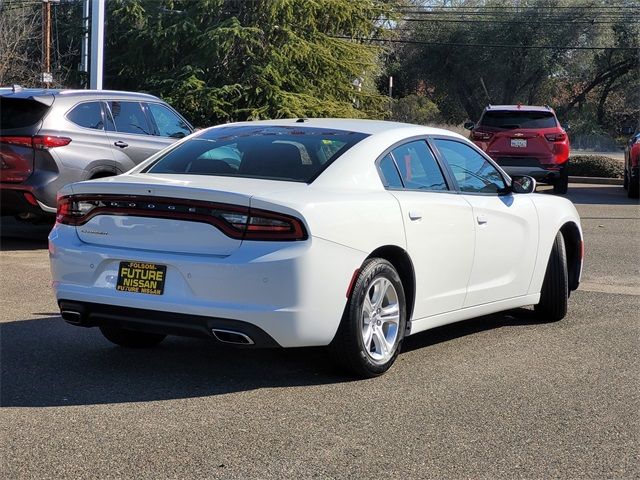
{"x":625,"y":180}
{"x":634,"y":187}
{"x":554,"y":296}
{"x":561,"y":184}
{"x":347,"y":348}
{"x":131,"y":338}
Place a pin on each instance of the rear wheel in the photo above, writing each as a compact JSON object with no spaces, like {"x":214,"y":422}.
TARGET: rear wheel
{"x":554,"y":296}
{"x":633,"y":189}
{"x":561,"y":184}
{"x":131,"y":338}
{"x":372,"y":328}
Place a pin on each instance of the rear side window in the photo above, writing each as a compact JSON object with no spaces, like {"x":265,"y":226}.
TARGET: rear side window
{"x":20,"y":112}
{"x":418,"y":167}
{"x":87,"y":115}
{"x":390,"y":172}
{"x":129,"y":118}
{"x":296,"y":154}
{"x":167,"y":122}
{"x":513,"y":119}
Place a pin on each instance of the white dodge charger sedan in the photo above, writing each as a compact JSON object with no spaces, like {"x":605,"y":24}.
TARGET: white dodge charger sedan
{"x":290,"y":233}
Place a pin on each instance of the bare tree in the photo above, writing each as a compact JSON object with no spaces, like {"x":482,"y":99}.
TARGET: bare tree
{"x":19,"y":43}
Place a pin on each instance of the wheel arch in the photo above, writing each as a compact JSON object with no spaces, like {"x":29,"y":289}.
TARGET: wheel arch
{"x":574,"y":247}
{"x":399,"y":258}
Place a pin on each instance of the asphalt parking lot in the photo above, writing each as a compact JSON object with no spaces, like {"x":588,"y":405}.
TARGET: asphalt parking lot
{"x":500,"y":396}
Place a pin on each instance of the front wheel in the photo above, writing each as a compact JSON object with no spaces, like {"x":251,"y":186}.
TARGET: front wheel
{"x":554,"y":296}
{"x":131,"y":338}
{"x":372,"y":328}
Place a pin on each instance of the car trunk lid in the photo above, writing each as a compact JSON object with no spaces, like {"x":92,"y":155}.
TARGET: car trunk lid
{"x":193,"y":214}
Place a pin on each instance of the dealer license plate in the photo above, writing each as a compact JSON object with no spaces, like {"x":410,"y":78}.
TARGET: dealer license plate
{"x":140,"y":277}
{"x":518,"y":143}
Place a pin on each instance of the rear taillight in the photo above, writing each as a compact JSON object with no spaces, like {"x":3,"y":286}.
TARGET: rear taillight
{"x":241,"y":223}
{"x":41,"y":142}
{"x":475,"y":135}
{"x":556,"y":137}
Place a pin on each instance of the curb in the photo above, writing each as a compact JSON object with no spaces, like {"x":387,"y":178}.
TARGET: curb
{"x":596,"y":180}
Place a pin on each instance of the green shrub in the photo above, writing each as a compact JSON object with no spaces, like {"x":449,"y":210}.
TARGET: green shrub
{"x":595,"y":166}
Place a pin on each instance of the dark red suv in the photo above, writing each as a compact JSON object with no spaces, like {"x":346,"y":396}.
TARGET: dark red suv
{"x":525,"y":140}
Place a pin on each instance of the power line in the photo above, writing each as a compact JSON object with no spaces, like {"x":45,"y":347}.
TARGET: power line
{"x":482,"y":45}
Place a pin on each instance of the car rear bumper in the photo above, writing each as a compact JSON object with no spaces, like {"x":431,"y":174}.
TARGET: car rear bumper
{"x":540,"y":172}
{"x":89,"y":314}
{"x":13,"y":201}
{"x":288,"y":290}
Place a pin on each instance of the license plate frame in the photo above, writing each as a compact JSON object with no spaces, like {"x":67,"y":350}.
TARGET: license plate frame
{"x":141,"y":277}
{"x":519,"y":143}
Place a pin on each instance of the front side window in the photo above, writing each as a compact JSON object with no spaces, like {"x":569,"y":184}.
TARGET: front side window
{"x":473,"y":173}
{"x":418,"y":167}
{"x":129,"y":117}
{"x":168,"y":123}
{"x":296,"y":154}
{"x":87,"y":115}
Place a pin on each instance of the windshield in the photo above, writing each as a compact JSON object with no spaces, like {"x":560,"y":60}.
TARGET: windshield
{"x":511,"y":119}
{"x":296,"y":154}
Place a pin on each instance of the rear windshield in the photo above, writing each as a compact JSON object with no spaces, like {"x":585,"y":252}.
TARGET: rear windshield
{"x":296,"y":154}
{"x":524,"y":119}
{"x":20,"y":112}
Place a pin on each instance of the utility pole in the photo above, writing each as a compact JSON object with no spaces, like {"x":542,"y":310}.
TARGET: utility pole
{"x":46,"y":77}
{"x":84,"y":56}
{"x":97,"y":43}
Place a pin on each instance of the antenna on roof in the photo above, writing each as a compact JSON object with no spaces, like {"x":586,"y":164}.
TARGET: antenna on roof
{"x":16,"y":88}
{"x":301,"y":120}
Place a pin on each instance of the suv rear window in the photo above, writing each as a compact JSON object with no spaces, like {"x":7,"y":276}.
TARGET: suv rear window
{"x":525,"y":119}
{"x":296,"y":154}
{"x":20,"y":112}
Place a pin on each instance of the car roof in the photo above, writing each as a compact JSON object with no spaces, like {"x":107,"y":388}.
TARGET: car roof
{"x":38,"y":93}
{"x":520,"y":108}
{"x":369,"y":127}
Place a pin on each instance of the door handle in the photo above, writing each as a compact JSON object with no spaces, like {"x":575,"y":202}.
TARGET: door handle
{"x":482,"y":220}
{"x":121,"y":144}
{"x":413,"y":215}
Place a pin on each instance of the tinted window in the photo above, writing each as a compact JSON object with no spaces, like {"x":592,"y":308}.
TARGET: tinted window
{"x":129,"y":118}
{"x":281,"y":153}
{"x":18,"y":112}
{"x":418,"y":166}
{"x":391,"y":177}
{"x":513,"y":119}
{"x":472,"y":171}
{"x":87,"y":115}
{"x":168,"y":123}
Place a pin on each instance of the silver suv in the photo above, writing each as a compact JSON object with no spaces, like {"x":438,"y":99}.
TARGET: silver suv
{"x":49,"y":138}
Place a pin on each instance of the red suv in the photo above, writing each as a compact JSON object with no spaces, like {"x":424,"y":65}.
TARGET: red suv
{"x":525,"y":140}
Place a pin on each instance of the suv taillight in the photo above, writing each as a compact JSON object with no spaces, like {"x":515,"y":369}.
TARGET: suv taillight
{"x":41,"y":142}
{"x":556,"y":137}
{"x":475,"y":135}
{"x":241,"y":223}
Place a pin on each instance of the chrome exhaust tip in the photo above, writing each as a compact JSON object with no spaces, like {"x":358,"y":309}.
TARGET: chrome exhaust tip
{"x":69,"y":316}
{"x":230,"y":336}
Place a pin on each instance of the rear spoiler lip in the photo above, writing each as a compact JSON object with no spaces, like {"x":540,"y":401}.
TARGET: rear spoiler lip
{"x":46,"y":99}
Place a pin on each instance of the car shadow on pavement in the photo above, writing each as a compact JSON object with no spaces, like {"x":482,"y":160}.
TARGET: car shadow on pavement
{"x":595,"y":194}
{"x":45,"y":362}
{"x":15,"y":235}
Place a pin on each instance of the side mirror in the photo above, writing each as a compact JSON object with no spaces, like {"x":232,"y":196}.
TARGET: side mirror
{"x":566,"y":127}
{"x":469,"y":125}
{"x":523,"y":184}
